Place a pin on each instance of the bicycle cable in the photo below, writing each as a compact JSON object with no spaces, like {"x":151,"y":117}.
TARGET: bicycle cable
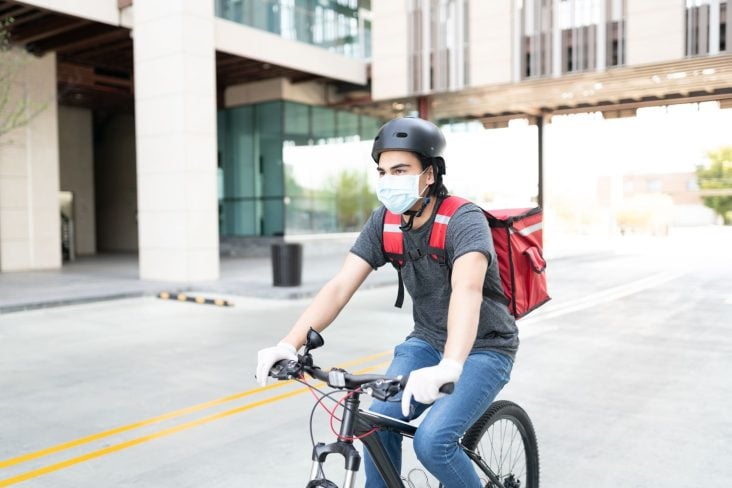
{"x":319,"y":401}
{"x":332,"y":428}
{"x":332,"y":415}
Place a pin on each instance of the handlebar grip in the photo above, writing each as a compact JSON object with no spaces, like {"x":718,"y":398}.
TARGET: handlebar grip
{"x":447,"y":388}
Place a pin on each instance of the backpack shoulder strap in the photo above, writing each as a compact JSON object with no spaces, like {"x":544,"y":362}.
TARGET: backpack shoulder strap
{"x":393,"y":242}
{"x":392,"y":239}
{"x":438,"y":234}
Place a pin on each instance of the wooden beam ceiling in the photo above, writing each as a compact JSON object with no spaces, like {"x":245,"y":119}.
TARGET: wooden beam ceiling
{"x":700,"y":78}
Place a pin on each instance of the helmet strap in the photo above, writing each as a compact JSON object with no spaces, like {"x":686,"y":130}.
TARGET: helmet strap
{"x":407,"y":226}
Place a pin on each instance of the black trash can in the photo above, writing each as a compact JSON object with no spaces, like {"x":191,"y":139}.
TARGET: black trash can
{"x":286,"y":264}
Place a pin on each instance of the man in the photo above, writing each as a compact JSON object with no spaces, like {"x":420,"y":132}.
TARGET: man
{"x":460,"y":335}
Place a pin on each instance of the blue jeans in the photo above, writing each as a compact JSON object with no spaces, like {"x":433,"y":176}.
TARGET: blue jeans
{"x":436,"y":442}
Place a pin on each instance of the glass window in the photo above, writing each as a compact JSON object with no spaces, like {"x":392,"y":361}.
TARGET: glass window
{"x":324,"y":124}
{"x":347,"y":123}
{"x":250,"y":146}
{"x":438,"y":44}
{"x":238,"y":204}
{"x":330,"y":24}
{"x":297,"y":122}
{"x":706,"y":27}
{"x":369,"y":127}
{"x":269,"y":158}
{"x":536,"y":37}
{"x":570,"y":36}
{"x":290,"y":167}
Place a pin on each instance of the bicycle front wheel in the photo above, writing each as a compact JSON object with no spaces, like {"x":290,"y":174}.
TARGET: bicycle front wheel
{"x":504,"y":438}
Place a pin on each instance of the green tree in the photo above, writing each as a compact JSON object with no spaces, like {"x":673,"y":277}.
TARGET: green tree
{"x":353,"y":198}
{"x":15,"y":111}
{"x":715,"y":182}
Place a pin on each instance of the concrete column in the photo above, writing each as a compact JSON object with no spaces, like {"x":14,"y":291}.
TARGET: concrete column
{"x":30,"y":236}
{"x":175,"y":116}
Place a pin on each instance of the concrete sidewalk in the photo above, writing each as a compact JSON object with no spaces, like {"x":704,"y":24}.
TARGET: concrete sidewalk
{"x":112,"y":276}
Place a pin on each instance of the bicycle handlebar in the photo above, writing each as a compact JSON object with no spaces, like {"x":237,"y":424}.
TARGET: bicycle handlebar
{"x":379,"y":386}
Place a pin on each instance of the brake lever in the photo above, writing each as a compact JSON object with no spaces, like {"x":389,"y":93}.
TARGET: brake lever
{"x":382,"y":389}
{"x":285,"y":370}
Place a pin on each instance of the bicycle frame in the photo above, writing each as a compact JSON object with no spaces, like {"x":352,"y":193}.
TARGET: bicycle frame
{"x":357,"y":422}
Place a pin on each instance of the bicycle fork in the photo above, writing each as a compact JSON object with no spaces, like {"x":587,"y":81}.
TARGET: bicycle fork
{"x":343,"y":447}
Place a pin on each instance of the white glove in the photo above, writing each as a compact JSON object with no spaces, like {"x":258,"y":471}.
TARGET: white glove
{"x":424,"y":384}
{"x":267,"y":357}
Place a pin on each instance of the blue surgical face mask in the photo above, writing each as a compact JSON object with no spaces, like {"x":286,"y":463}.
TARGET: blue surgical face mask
{"x":399,"y":193}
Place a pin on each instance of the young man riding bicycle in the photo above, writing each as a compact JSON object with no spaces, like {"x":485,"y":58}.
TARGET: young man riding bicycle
{"x":461,"y":333}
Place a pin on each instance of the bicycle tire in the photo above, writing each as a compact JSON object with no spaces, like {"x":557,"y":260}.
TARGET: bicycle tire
{"x":494,"y":436}
{"x":321,"y":484}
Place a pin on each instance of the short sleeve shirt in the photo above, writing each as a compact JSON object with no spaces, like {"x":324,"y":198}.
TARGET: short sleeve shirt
{"x":428,"y":282}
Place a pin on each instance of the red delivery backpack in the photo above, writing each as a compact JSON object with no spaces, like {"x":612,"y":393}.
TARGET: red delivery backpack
{"x":517,"y":238}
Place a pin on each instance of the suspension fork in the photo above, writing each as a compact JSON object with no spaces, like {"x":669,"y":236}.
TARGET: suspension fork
{"x":343,"y":446}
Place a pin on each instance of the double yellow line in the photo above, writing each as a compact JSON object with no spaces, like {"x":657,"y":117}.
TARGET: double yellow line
{"x":162,"y":433}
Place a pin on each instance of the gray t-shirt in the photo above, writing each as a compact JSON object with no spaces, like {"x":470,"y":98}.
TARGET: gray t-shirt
{"x":428,"y":283}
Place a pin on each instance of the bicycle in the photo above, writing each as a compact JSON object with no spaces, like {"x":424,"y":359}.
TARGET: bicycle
{"x":501,"y":443}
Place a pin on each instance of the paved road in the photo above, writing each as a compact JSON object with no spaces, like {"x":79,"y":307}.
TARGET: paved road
{"x":626,"y":375}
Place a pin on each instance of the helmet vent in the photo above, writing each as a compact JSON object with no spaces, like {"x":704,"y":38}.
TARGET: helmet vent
{"x":401,"y":134}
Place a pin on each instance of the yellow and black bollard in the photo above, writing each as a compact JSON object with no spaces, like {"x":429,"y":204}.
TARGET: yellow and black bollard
{"x":182,"y":297}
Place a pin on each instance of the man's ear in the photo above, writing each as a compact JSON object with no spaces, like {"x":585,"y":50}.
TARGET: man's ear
{"x":431,"y":175}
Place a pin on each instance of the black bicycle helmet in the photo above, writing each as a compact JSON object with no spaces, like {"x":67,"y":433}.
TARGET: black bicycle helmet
{"x":410,"y":134}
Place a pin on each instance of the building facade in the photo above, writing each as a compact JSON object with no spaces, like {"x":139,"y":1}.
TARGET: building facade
{"x":177,"y":129}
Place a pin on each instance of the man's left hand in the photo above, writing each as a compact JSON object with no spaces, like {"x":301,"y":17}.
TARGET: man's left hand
{"x":424,"y":384}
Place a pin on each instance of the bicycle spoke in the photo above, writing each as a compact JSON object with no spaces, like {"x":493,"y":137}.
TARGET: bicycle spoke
{"x":508,"y":458}
{"x":503,"y":443}
{"x":521,"y":456}
{"x":512,"y":463}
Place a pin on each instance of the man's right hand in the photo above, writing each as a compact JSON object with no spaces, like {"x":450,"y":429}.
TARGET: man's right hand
{"x":266,"y":358}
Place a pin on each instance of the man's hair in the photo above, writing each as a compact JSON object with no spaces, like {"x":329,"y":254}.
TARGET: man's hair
{"x":437,"y":189}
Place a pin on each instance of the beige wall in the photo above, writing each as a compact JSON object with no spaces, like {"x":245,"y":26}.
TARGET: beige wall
{"x":30,"y":236}
{"x":655,"y":31}
{"x":490,"y":27}
{"x":98,"y":10}
{"x":76,"y":158}
{"x":311,"y":93}
{"x":116,"y":184}
{"x":389,"y":50}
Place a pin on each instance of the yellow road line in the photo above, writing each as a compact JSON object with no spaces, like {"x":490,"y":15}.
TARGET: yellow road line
{"x":195,"y":408}
{"x":165,"y":432}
